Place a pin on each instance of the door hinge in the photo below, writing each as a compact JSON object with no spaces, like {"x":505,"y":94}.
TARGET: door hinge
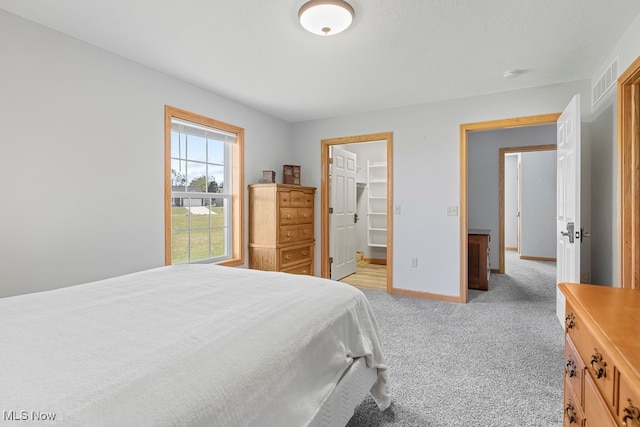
{"x":330,"y":160}
{"x":330,"y":260}
{"x":330,"y":210}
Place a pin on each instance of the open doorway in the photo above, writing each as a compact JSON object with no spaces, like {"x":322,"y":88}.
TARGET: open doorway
{"x":378,"y":226}
{"x":465,"y":130}
{"x":527,"y":198}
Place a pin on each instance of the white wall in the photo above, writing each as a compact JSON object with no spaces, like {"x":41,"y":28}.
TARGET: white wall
{"x":538,"y":204}
{"x":483,"y":177}
{"x":83,"y":157}
{"x":604,"y":232}
{"x":426,"y":168}
{"x":511,"y":200}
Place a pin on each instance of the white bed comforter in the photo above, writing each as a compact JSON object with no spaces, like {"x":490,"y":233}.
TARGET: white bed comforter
{"x":196,"y":345}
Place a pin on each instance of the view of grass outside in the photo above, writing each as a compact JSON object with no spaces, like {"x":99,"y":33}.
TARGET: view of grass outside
{"x":203,"y":237}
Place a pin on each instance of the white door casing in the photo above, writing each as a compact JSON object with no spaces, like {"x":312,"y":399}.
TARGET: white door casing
{"x":568,"y":226}
{"x":342,"y":220}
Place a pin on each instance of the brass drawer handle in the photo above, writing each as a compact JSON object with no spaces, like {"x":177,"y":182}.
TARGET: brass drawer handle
{"x":289,"y":216}
{"x":570,"y":412}
{"x":305,"y":253}
{"x":598,"y":364}
{"x":287,"y":256}
{"x":304,"y":231}
{"x":569,"y":321}
{"x":570,"y":368}
{"x":289,"y":233}
{"x":631,"y":413}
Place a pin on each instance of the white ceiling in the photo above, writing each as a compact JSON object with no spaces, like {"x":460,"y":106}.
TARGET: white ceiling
{"x":396,"y":53}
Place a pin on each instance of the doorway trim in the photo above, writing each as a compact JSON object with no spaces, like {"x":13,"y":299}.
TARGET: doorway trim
{"x":629,"y":176}
{"x":464,"y":142}
{"x":325,"y":145}
{"x":501,"y":155}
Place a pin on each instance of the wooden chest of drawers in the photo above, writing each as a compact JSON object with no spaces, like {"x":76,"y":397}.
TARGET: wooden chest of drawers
{"x":281,"y":227}
{"x":602,"y":355}
{"x":479,"y":265}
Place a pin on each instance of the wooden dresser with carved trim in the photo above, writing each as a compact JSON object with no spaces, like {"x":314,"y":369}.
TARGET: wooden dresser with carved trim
{"x":602,"y":355}
{"x":281,"y":228}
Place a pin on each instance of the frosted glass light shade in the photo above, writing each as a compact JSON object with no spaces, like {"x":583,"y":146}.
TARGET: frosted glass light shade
{"x":326,"y":17}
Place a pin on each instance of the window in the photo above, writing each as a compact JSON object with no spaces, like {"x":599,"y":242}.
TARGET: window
{"x":203,"y":189}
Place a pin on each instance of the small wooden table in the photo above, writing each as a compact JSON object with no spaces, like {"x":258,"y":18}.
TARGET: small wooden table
{"x":478,"y":259}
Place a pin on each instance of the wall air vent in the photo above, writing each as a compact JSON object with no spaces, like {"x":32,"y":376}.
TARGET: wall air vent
{"x":605,"y":82}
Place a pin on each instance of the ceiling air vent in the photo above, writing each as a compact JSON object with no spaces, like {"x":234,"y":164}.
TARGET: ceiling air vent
{"x":605,"y":82}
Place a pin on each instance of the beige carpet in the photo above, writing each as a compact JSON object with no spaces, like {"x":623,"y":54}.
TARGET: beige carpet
{"x":495,"y":361}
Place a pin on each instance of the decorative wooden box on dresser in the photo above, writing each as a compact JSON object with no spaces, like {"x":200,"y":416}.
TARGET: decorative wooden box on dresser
{"x":281,"y":228}
{"x":602,"y":354}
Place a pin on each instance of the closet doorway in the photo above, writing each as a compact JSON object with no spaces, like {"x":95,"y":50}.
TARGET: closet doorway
{"x":360,"y":207}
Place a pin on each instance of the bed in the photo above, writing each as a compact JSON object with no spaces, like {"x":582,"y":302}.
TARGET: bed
{"x":191,"y":345}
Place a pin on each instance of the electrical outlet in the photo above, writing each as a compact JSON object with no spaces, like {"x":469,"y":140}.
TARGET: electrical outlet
{"x":452,"y":211}
{"x":414,"y":262}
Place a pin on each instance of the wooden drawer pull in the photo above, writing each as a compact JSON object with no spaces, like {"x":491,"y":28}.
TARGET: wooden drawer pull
{"x":289,"y":216}
{"x":287,"y":256}
{"x":569,"y":321}
{"x":304,"y":232}
{"x":571,"y":368}
{"x":570,"y":412}
{"x":289,"y":233}
{"x":305,"y":253}
{"x":631,"y":413}
{"x":598,"y":365}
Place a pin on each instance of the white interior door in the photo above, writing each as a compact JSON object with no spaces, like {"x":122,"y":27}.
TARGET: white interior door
{"x":568,"y":203}
{"x":342,"y":246}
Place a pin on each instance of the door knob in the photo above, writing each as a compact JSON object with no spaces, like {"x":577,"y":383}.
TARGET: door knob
{"x":570,"y":232}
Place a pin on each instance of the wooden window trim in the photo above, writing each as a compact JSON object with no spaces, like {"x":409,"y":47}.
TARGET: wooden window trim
{"x":629,"y":176}
{"x":237,"y":171}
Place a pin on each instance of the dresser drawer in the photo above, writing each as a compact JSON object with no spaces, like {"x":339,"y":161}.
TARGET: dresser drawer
{"x":597,"y":361}
{"x":299,"y":269}
{"x":305,"y":215}
{"x":284,"y":198}
{"x":301,"y":199}
{"x":295,"y":255}
{"x":595,"y":409}
{"x":629,"y":403}
{"x":288,"y":216}
{"x":295,"y":233}
{"x":306,"y":231}
{"x":574,"y":370}
{"x":289,"y":233}
{"x":573,"y":415}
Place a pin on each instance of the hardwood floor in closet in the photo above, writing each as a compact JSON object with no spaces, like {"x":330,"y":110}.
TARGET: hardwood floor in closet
{"x":370,"y":276}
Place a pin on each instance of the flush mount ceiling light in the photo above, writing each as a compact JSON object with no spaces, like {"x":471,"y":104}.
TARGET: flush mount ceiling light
{"x":326,"y":17}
